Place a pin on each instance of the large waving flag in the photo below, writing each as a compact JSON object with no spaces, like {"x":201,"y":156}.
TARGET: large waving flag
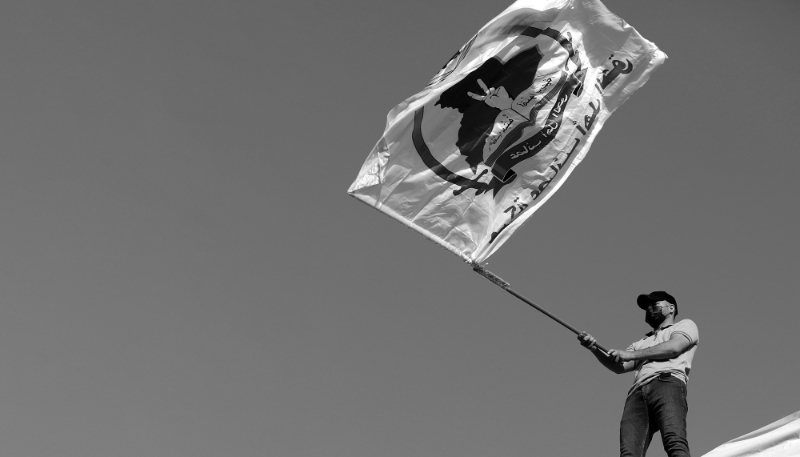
{"x":503,"y":124}
{"x":778,"y":439}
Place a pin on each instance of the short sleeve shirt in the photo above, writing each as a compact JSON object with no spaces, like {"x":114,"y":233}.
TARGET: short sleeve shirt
{"x":647,"y":370}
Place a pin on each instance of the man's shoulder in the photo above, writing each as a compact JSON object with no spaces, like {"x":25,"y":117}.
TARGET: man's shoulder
{"x":684,"y":323}
{"x":688,"y":328}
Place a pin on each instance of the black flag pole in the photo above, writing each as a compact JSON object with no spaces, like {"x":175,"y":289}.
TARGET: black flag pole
{"x":497,"y":280}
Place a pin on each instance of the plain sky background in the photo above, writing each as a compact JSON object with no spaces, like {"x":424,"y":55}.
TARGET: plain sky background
{"x":184,"y":274}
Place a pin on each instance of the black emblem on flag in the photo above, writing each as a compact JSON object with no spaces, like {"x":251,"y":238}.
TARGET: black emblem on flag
{"x":486,"y":98}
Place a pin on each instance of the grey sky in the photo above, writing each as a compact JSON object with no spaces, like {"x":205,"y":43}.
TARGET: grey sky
{"x":185,"y":275}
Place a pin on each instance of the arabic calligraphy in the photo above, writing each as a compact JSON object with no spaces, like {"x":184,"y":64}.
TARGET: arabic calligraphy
{"x":619,"y":69}
{"x":559,"y":105}
{"x":516,"y":206}
{"x":525,"y":150}
{"x":538,"y":186}
{"x":547,"y":83}
{"x":550,"y":128}
{"x":588,"y":120}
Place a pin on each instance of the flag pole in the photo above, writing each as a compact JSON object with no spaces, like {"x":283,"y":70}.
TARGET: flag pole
{"x":498,"y":281}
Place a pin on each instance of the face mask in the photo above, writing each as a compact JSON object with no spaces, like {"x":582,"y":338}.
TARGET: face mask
{"x":654,"y":319}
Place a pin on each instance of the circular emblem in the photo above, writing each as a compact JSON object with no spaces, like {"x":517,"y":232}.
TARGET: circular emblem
{"x":510,"y":107}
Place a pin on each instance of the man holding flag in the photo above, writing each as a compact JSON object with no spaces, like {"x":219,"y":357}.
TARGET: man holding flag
{"x":467,"y":160}
{"x":661,"y":362}
{"x":497,"y":131}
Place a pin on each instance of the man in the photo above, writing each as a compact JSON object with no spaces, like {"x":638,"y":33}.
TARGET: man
{"x":661,"y":362}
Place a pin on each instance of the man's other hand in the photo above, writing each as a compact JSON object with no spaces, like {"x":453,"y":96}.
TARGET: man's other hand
{"x":587,"y":341}
{"x":620,"y":356}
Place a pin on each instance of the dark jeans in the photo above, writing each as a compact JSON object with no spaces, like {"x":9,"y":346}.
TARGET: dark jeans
{"x":659,"y":405}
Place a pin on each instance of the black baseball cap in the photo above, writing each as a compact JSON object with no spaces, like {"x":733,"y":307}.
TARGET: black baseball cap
{"x":653,"y":297}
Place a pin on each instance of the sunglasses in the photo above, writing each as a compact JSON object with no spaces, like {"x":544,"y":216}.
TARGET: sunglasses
{"x":657,"y":305}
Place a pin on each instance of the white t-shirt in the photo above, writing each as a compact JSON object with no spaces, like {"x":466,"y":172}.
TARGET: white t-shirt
{"x":647,"y":370}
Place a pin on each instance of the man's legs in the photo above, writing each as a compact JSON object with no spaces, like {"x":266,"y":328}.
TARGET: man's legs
{"x":634,"y":429}
{"x":666,"y":398}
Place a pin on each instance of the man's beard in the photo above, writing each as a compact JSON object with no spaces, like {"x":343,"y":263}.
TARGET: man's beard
{"x":654,"y":320}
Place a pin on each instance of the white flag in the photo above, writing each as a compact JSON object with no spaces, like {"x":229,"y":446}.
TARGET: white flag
{"x":779,"y":439}
{"x":502,"y":125}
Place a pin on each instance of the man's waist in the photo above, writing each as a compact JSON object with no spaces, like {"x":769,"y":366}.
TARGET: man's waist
{"x":663,"y":375}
